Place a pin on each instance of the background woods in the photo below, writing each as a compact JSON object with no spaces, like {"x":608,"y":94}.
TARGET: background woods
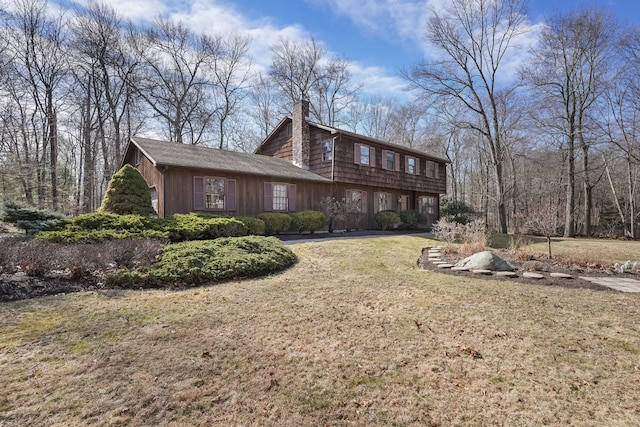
{"x":555,"y":133}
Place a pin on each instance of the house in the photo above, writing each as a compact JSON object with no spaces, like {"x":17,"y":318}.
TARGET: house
{"x":298,"y":165}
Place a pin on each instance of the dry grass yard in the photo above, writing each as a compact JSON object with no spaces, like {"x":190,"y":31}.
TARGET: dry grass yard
{"x":354,"y":334}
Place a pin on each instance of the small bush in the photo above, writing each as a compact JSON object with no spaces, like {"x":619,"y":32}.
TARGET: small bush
{"x":304,"y":221}
{"x":388,"y":219}
{"x":411,"y":219}
{"x":181,"y":227}
{"x":446,"y":230}
{"x":335,"y":212}
{"x":474,"y":237}
{"x":39,"y":258}
{"x":210,"y":261}
{"x":30,"y":219}
{"x":275,"y":222}
{"x":254,"y":225}
{"x":456,"y":210}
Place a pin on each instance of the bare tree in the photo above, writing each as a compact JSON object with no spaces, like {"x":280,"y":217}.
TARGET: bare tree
{"x":231,"y":70}
{"x":302,"y":70}
{"x":175,"y":78}
{"x":569,"y":70}
{"x":473,"y":38}
{"x":623,"y":126}
{"x":544,"y":219}
{"x":103,"y":69}
{"x":37,"y":41}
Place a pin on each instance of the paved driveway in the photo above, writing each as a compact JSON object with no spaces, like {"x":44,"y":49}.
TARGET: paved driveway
{"x":618,"y":283}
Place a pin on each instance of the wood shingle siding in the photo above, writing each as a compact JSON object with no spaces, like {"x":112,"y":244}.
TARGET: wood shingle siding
{"x":179,"y":173}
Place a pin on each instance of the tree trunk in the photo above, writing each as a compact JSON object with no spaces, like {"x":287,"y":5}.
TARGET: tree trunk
{"x":569,"y":222}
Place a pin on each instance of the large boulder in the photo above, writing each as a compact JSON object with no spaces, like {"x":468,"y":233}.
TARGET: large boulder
{"x":486,"y":260}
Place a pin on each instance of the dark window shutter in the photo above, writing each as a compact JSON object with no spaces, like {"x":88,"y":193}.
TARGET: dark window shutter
{"x":364,"y":202}
{"x":293,"y":198}
{"x":372,"y":156}
{"x":397,"y":161}
{"x":385,"y":153}
{"x":376,"y":202}
{"x":356,"y":153}
{"x":198,"y":193}
{"x":230,"y":195}
{"x":417,"y":166}
{"x":268,"y":197}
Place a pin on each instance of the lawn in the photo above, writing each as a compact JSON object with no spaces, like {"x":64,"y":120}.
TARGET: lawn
{"x":354,"y":334}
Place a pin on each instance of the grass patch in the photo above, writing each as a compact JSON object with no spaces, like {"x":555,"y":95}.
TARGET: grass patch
{"x":353,"y":334}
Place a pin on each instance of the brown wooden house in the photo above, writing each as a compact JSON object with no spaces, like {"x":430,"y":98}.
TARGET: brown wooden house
{"x":295,"y":168}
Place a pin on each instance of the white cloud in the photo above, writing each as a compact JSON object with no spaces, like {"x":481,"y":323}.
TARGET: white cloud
{"x":377,"y":81}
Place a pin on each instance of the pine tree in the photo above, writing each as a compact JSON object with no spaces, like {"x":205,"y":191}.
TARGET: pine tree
{"x":127,"y":193}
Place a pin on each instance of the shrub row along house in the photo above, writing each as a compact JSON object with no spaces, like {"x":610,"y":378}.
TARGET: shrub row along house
{"x":295,"y":168}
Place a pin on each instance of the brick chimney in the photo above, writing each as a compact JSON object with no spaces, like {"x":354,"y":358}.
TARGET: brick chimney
{"x":300,"y":134}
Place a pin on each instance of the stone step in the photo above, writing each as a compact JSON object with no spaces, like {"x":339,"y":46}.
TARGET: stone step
{"x":507,"y":274}
{"x":445,"y":265}
{"x":532,"y":275}
{"x":561,"y":275}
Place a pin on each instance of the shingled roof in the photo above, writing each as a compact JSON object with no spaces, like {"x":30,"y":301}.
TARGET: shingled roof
{"x":162,"y":153}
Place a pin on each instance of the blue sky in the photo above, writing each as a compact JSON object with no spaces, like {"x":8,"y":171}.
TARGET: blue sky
{"x":379,"y":37}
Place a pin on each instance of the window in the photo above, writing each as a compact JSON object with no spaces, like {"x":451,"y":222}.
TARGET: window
{"x":279,"y":197}
{"x":390,"y":160}
{"x":432,"y":169}
{"x":382,"y":202}
{"x":214,"y":193}
{"x":356,"y":201}
{"x":154,"y":198}
{"x":327,"y":150}
{"x":137,"y":155}
{"x":428,"y":205}
{"x":364,"y":155}
{"x":412,"y":165}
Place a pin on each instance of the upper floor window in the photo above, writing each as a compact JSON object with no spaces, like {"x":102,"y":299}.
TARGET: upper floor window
{"x":279,"y":197}
{"x":411,"y":166}
{"x":214,"y":193}
{"x":432,"y":169}
{"x":327,"y":150}
{"x":390,"y":160}
{"x":364,"y":155}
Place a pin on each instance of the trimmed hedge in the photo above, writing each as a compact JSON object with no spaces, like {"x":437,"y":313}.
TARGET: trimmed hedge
{"x":194,"y":263}
{"x":310,"y":221}
{"x":275,"y":222}
{"x":100,"y":226}
{"x":181,"y":227}
{"x":388,"y":219}
{"x":255,"y":226}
